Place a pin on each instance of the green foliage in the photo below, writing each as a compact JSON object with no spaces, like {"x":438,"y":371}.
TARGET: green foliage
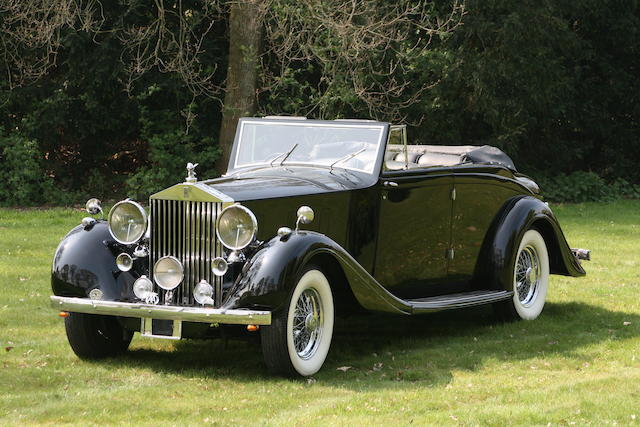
{"x":552,"y":83}
{"x":96,"y":123}
{"x":581,"y":186}
{"x":168,"y":155}
{"x":23,"y":182}
{"x":169,"y":146}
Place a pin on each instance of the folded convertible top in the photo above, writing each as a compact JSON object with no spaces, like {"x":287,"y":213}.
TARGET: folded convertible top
{"x":488,"y":155}
{"x":449,"y":155}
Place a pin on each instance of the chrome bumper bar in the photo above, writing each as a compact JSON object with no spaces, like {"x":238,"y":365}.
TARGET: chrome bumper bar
{"x":166,"y":312}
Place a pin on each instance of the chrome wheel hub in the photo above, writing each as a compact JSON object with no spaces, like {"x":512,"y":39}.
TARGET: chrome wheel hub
{"x":531,"y":275}
{"x":527,"y":275}
{"x":311,"y":322}
{"x":307,"y":324}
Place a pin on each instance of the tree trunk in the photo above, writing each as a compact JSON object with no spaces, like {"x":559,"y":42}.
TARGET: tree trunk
{"x":245,"y":36}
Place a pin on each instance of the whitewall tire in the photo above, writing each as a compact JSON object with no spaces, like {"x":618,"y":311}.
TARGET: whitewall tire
{"x":530,"y":279}
{"x":297,"y":341}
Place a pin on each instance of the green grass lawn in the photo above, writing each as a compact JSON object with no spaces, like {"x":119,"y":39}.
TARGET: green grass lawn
{"x":579,"y":363}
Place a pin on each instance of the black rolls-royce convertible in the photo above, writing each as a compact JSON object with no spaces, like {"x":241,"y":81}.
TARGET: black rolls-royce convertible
{"x":312,"y":219}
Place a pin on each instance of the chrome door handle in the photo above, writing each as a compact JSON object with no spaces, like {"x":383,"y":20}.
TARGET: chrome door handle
{"x":390,"y":184}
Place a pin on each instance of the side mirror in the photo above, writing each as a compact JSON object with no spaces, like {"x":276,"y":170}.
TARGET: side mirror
{"x":305,"y":216}
{"x":93,"y":206}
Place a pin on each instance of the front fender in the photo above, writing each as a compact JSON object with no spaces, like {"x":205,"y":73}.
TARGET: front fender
{"x":85,"y":260}
{"x":268,"y":278}
{"x":516,"y":217}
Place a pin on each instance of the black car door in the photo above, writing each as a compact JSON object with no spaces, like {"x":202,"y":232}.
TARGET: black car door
{"x":414,"y":232}
{"x":480,"y":194}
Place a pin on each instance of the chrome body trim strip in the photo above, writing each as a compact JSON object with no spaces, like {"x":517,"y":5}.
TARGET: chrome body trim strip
{"x":461,"y":300}
{"x":168,"y":312}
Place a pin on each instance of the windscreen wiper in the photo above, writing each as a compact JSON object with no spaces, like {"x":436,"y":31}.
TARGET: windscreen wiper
{"x":285,"y":154}
{"x":288,"y":154}
{"x":347,"y":157}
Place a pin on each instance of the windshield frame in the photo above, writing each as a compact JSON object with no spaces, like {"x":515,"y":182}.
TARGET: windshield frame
{"x":381,"y":142}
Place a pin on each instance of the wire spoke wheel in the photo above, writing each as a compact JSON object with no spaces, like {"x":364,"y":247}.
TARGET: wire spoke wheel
{"x":298,"y":339}
{"x":307,"y":324}
{"x":528,"y":271}
{"x":530,"y":279}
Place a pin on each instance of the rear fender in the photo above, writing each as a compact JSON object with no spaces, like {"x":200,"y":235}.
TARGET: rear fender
{"x":517,"y":216}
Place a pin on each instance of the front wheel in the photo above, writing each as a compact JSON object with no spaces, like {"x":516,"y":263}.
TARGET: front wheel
{"x":299,"y":337}
{"x":93,"y":336}
{"x":530,"y":279}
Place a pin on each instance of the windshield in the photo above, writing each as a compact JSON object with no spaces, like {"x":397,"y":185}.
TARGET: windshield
{"x":348,"y":146}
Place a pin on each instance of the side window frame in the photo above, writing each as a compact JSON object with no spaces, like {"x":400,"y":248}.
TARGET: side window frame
{"x":403,"y":140}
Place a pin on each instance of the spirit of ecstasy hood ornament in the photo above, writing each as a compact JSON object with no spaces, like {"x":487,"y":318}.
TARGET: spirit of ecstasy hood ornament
{"x":191,"y":172}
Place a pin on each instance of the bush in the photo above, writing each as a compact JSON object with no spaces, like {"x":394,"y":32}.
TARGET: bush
{"x":583,"y":186}
{"x":23,"y":177}
{"x":168,"y":156}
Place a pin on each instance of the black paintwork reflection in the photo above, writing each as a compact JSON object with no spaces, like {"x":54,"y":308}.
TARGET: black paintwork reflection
{"x":478,"y":201}
{"x":413,"y":235}
{"x":363,"y":218}
{"x":272,"y":272}
{"x":349,"y":218}
{"x":331,"y":214}
{"x":85,"y":260}
{"x":288,"y":181}
{"x":519,"y":214}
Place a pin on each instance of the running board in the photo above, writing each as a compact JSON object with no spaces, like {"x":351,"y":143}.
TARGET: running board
{"x":466,"y":299}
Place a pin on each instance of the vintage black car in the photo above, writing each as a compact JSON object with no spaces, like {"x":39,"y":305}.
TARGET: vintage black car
{"x":312,"y":219}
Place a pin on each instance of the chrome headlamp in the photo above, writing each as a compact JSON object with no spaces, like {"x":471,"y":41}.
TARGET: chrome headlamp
{"x":127,"y":222}
{"x":237,"y":227}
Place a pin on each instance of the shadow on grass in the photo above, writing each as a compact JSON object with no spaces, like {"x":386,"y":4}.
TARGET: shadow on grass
{"x":395,"y":351}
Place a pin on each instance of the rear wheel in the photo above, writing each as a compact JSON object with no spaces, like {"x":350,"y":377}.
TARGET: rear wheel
{"x":93,"y":336}
{"x":530,"y":279}
{"x":299,"y":337}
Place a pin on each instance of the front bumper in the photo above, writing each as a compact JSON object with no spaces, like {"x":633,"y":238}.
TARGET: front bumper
{"x":166,"y":312}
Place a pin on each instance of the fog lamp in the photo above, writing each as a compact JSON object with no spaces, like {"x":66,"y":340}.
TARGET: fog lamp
{"x":168,"y":273}
{"x":219,"y":266}
{"x":143,"y":287}
{"x":124,"y":262}
{"x":203,"y":293}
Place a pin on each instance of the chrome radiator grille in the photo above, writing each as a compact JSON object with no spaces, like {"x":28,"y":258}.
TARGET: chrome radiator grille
{"x":186,"y":230}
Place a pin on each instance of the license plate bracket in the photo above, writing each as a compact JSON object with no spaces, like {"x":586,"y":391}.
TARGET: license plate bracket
{"x":161,"y":328}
